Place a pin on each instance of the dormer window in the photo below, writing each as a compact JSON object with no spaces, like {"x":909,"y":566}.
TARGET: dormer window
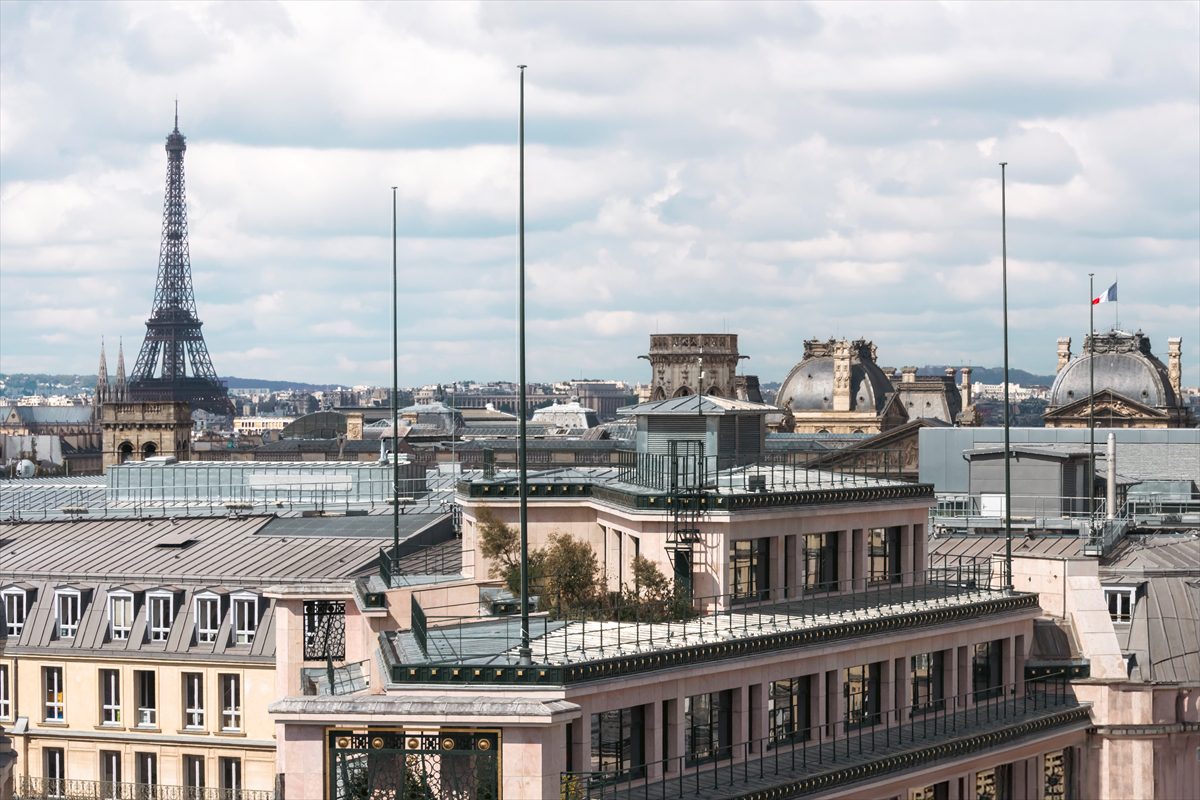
{"x":208,"y":617}
{"x":120,"y":615}
{"x":245,"y":618}
{"x":160,"y":615}
{"x":67,"y":609}
{"x":14,"y":611}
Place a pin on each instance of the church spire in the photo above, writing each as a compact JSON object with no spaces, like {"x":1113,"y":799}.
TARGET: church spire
{"x":120,"y":392}
{"x":102,"y":377}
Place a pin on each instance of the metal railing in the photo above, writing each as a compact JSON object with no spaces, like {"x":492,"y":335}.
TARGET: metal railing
{"x":442,"y":558}
{"x":615,"y":626}
{"x":1023,"y":507}
{"x":764,"y":472}
{"x":29,"y":788}
{"x":795,"y":752}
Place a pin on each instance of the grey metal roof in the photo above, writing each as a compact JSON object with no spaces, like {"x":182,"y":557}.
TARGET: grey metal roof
{"x":373,"y":526}
{"x":707,"y":405}
{"x":976,"y":545}
{"x":1161,"y":554}
{"x":1165,"y":632}
{"x":225,"y":551}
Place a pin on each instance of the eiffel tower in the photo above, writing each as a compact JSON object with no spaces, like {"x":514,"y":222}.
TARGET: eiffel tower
{"x":173,"y":339}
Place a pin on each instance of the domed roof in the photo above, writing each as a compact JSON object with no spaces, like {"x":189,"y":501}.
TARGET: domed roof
{"x":1124,"y":365}
{"x":809,"y":386}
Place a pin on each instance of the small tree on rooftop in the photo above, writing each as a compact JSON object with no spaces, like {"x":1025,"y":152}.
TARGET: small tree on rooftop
{"x":501,"y":546}
{"x":569,"y":573}
{"x":652,"y":597}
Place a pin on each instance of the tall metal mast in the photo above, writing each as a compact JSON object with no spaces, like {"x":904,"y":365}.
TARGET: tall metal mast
{"x":1008,"y":580}
{"x":173,"y":340}
{"x":525,"y":653}
{"x":395,"y":392}
{"x":1091,"y":404}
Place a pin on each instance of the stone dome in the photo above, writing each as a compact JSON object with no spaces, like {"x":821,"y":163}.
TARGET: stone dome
{"x":809,"y":386}
{"x":1124,"y":365}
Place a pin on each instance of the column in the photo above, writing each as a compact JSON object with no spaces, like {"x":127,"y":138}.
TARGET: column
{"x":778,"y":568}
{"x":920,"y":548}
{"x":741,"y":720}
{"x":758,"y":716}
{"x":835,"y":704}
{"x":652,"y":714}
{"x":581,"y":743}
{"x":964,"y":677}
{"x":950,"y":680}
{"x":900,"y":687}
{"x":859,"y":552}
{"x":844,"y":569}
{"x":1019,"y":663}
{"x":887,"y":689}
{"x":673,"y":721}
{"x":1007,"y":663}
{"x":906,"y":555}
{"x":791,"y":571}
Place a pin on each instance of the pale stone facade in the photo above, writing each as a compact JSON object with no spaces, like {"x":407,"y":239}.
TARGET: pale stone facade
{"x":693,"y":363}
{"x":135,"y":431}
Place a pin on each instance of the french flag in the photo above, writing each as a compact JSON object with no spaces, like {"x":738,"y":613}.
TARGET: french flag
{"x":1108,"y":297}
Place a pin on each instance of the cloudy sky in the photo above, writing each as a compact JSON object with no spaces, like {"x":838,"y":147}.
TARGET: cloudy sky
{"x":780,"y":171}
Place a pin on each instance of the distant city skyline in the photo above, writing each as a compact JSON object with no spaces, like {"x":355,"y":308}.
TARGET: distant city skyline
{"x":780,"y":171}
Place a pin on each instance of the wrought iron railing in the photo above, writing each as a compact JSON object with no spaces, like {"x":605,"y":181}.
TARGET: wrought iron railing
{"x":791,"y":755}
{"x":29,"y":788}
{"x":448,"y":633}
{"x":444,"y":558}
{"x":762,"y":472}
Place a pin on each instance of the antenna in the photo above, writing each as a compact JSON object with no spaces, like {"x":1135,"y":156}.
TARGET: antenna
{"x":1008,"y":582}
{"x":524,"y":652}
{"x":177,"y":113}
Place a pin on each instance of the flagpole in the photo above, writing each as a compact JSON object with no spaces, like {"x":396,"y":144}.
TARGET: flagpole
{"x":1008,"y":581}
{"x":524,"y":652}
{"x":1091,"y":404}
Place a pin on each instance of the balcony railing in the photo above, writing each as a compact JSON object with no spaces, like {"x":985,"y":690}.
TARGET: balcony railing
{"x":29,"y":788}
{"x":900,"y":739}
{"x":630,"y":636}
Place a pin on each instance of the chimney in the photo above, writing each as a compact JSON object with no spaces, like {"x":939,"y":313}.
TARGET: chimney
{"x":841,"y":376}
{"x":1064,"y":353}
{"x":1175,"y":366}
{"x":966,"y":387}
{"x":908,"y":374}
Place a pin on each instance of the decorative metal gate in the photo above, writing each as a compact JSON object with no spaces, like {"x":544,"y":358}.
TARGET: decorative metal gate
{"x":394,"y":764}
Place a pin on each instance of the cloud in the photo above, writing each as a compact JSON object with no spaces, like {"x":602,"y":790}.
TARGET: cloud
{"x":780,"y":171}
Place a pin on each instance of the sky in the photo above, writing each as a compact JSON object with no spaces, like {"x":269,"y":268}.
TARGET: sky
{"x":782,"y":171}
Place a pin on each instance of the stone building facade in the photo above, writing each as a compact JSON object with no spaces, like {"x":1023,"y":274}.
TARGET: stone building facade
{"x":141,"y":430}
{"x":682,"y":364}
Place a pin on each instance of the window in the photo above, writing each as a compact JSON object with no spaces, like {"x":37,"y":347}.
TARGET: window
{"x":1057,"y":774}
{"x":147,"y":769}
{"x":52,"y":691}
{"x":707,"y":721}
{"x":618,"y":742}
{"x":120,"y":615}
{"x":820,"y":562}
{"x":208,"y":618}
{"x":1120,"y":604}
{"x":245,"y":618}
{"x":54,"y":770}
{"x":110,"y":697}
{"x":985,"y":670}
{"x":14,"y":611}
{"x":927,"y":681}
{"x":787,"y":710}
{"x":862,"y":693}
{"x":230,"y":770}
{"x":193,"y":700}
{"x":193,"y":776}
{"x":749,"y":569}
{"x":5,"y":696}
{"x":66,"y":612}
{"x":883,"y":555}
{"x":110,"y":774}
{"x":147,"y":702}
{"x":231,"y":703}
{"x":995,"y":783}
{"x":161,"y":614}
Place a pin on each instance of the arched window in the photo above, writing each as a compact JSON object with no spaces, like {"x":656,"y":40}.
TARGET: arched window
{"x":124,"y":452}
{"x":149,"y":449}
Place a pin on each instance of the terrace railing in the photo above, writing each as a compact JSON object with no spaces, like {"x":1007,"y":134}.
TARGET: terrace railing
{"x":617,"y":626}
{"x":884,"y":743}
{"x":29,"y":788}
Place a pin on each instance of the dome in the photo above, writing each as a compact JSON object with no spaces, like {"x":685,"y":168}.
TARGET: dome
{"x":809,"y":386}
{"x":1123,"y":365}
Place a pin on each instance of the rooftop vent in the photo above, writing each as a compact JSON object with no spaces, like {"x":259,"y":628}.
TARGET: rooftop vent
{"x":177,"y":540}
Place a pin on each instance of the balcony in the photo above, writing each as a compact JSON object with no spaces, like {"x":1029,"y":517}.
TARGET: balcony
{"x":849,"y":752}
{"x":62,"y":789}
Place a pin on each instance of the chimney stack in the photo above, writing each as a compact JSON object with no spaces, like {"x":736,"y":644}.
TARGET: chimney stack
{"x":908,"y":374}
{"x":1064,"y":353}
{"x":966,"y":387}
{"x":841,"y":376}
{"x":1175,"y":366}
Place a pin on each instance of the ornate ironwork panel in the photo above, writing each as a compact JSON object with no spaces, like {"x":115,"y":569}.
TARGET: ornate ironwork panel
{"x":390,"y":764}
{"x":324,"y":630}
